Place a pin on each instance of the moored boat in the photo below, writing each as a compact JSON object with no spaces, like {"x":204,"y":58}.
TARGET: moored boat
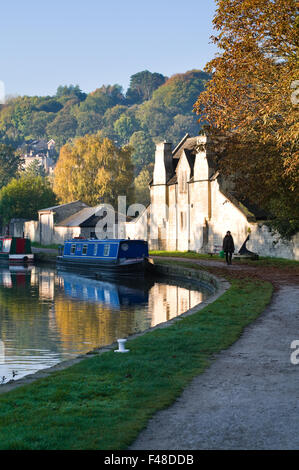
{"x":15,"y":250}
{"x":106,"y":257}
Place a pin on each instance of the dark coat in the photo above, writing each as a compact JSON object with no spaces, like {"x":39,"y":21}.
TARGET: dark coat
{"x":228,"y":243}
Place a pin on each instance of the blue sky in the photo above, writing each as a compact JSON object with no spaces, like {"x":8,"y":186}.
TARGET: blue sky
{"x":44,"y":44}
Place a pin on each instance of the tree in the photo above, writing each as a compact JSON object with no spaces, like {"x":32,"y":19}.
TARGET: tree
{"x":144,"y":150}
{"x":181,"y":126}
{"x":70,"y":91}
{"x":23,"y":197}
{"x":249,"y":102}
{"x":62,"y":128}
{"x":142,"y":85}
{"x":34,"y":168}
{"x":175,"y":97}
{"x":36,"y":128}
{"x":180,"y":91}
{"x":124,"y":128}
{"x":88,"y":123}
{"x":93,"y":170}
{"x":9,"y":164}
{"x":103,"y":98}
{"x":141,"y":184}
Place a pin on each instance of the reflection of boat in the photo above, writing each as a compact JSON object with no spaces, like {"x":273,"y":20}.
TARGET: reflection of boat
{"x":15,"y":250}
{"x":15,"y":277}
{"x":106,"y":257}
{"x":102,"y":292}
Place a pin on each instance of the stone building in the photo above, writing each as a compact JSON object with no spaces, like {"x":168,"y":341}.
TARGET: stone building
{"x":41,"y":152}
{"x":192,"y":206}
{"x":75,"y":219}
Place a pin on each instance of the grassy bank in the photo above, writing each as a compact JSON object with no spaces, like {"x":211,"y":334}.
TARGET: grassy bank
{"x":38,"y":245}
{"x":262,"y":261}
{"x":103,"y":402}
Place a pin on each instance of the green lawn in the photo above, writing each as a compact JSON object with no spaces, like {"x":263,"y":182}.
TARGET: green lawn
{"x":38,"y":245}
{"x":105,"y":401}
{"x":262,"y":261}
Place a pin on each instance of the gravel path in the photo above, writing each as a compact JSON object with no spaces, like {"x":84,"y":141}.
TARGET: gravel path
{"x":247,"y":399}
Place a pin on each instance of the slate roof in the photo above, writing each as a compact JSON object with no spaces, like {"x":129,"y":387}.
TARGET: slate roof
{"x":64,"y":211}
{"x":85,"y":218}
{"x":78,"y":218}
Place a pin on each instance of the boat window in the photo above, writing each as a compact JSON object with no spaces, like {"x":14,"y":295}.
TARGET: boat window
{"x":95,"y":250}
{"x":73,"y":249}
{"x":6,"y":246}
{"x":124,"y":246}
{"x":84,"y":250}
{"x":106,"y":250}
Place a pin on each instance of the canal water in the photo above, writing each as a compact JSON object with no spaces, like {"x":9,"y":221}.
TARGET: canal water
{"x":47,"y":315}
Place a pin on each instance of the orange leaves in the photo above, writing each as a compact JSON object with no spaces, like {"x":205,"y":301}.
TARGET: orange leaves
{"x":250,"y":96}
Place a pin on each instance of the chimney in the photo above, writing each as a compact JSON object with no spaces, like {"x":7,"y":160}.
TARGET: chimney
{"x":163,"y":169}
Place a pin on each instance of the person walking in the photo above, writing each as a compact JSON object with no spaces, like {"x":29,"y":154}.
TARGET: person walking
{"x":228,"y":247}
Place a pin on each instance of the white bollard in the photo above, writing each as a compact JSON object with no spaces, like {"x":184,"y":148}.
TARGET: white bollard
{"x":121,"y":346}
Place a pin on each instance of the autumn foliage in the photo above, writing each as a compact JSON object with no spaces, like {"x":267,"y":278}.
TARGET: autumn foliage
{"x":251,"y":101}
{"x":93,"y":170}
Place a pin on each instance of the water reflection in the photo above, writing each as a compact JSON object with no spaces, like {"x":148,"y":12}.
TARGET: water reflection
{"x":48,"y":316}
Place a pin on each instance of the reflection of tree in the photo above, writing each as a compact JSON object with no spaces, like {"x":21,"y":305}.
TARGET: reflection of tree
{"x":23,"y":317}
{"x":81,"y":322}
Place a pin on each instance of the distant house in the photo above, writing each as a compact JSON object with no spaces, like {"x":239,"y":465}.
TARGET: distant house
{"x":75,"y":219}
{"x":39,"y":151}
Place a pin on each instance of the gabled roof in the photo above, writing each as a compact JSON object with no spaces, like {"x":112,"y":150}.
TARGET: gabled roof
{"x":87,"y":217}
{"x":188,"y":143}
{"x":78,"y":218}
{"x":61,"y":206}
{"x":191,"y":161}
{"x":63,"y":211}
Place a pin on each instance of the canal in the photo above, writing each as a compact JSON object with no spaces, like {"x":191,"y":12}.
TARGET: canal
{"x":47,"y":315}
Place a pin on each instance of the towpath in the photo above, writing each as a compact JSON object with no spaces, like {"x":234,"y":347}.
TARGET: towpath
{"x":249,"y":397}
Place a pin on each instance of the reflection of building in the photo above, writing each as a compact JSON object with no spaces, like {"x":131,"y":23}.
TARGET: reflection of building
{"x":46,"y":285}
{"x":167,"y":301}
{"x":2,"y":352}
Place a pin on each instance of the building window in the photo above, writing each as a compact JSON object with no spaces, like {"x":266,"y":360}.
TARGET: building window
{"x":183,"y":220}
{"x":183,"y":182}
{"x":73,"y":249}
{"x":84,"y":250}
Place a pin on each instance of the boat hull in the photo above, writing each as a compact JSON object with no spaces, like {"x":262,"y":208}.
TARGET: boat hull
{"x":17,"y":259}
{"x":100,"y":268}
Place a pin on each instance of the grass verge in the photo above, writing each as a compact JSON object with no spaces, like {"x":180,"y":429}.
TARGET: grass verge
{"x":38,"y":245}
{"x":105,"y":401}
{"x":262,"y":261}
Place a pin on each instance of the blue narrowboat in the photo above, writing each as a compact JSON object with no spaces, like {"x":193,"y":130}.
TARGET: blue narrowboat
{"x":106,"y":256}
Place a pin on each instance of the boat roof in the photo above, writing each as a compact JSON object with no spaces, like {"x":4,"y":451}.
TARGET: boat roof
{"x":106,"y":240}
